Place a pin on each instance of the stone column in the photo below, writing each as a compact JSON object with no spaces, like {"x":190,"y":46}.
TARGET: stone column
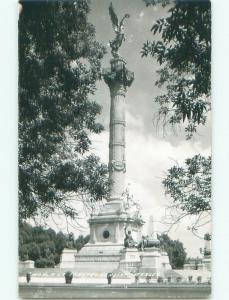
{"x":117,"y":162}
{"x":207,"y":244}
{"x":117,"y":78}
{"x":152,"y":229}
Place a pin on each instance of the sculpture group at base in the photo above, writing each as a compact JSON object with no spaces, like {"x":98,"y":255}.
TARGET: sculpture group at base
{"x":145,"y":242}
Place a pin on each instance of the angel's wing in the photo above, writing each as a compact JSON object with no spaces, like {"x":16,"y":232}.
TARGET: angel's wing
{"x":114,"y":18}
{"x":125,"y":17}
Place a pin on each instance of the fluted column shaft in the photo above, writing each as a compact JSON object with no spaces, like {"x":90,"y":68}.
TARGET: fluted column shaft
{"x":117,"y":163}
{"x":117,"y":78}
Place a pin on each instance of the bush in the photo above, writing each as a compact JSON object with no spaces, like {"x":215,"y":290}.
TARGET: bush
{"x":44,"y":263}
{"x":160,"y":279}
{"x":33,"y":251}
{"x":137,"y":277}
{"x":199,"y":279}
{"x":68,"y":277}
{"x":57,"y":259}
{"x":178,"y":279}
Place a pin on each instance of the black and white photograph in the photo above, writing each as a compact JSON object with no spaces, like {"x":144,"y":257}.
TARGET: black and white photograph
{"x":114,"y":149}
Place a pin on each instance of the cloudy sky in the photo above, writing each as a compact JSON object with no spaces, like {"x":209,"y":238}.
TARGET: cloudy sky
{"x":149,"y":152}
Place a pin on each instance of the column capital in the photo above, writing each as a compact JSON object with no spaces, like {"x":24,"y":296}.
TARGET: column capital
{"x":118,"y":77}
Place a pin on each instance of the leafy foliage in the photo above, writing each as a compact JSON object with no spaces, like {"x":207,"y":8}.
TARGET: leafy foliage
{"x":183,"y":50}
{"x":190,"y":185}
{"x":44,"y":246}
{"x":175,"y":250}
{"x":81,"y":241}
{"x":59,"y":64}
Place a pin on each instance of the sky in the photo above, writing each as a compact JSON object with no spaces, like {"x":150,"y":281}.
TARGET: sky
{"x":149,"y":151}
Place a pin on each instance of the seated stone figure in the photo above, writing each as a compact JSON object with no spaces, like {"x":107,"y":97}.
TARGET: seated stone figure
{"x":129,"y":241}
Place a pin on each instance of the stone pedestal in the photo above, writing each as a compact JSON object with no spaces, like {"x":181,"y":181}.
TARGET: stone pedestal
{"x":130,"y":260}
{"x":207,"y":263}
{"x":108,"y":226}
{"x":92,"y":258}
{"x":27,"y":264}
{"x":165,"y":261}
{"x":151,"y":262}
{"x":67,"y":259}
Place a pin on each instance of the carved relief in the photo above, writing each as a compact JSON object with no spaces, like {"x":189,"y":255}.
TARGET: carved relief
{"x":118,"y":77}
{"x":117,"y":166}
{"x":100,"y":258}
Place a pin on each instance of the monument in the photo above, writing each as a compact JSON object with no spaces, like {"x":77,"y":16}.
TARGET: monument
{"x":108,"y":227}
{"x":116,"y":243}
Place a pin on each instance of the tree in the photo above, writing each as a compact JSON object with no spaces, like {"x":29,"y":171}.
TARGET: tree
{"x":59,"y":64}
{"x":45,"y":263}
{"x":182,"y":46}
{"x":44,"y":246}
{"x":81,"y":241}
{"x":23,"y":252}
{"x":189,"y":186}
{"x":183,"y":49}
{"x":60,"y":242}
{"x":33,"y":251}
{"x":175,"y":250}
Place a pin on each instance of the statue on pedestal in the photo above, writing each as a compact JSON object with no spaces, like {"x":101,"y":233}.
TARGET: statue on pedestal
{"x":146,"y":242}
{"x":119,"y":31}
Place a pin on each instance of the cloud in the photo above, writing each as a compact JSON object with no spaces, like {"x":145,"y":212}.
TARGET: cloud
{"x":147,"y":159}
{"x":131,"y":38}
{"x":140,"y":16}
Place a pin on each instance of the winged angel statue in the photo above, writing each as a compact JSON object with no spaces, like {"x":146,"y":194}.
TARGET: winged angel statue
{"x":119,"y":31}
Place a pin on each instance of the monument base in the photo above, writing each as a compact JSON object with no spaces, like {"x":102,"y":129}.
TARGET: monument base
{"x":130,"y":260}
{"x":94,"y":258}
{"x":107,"y":233}
{"x":154,"y":262}
{"x":207,"y":263}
